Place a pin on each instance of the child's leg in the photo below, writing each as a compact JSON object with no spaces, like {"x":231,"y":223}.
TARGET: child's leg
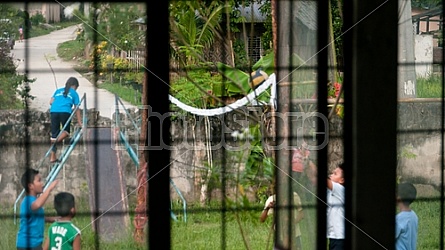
{"x":64,"y":120}
{"x":55,"y":129}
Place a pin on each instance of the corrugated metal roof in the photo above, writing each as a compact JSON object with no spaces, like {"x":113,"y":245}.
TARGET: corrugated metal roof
{"x":246,"y":12}
{"x":305,"y":11}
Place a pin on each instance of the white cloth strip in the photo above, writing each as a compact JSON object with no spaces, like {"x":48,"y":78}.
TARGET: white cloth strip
{"x":270,"y":82}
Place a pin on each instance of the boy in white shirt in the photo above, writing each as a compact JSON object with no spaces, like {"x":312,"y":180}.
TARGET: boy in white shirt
{"x":336,"y":211}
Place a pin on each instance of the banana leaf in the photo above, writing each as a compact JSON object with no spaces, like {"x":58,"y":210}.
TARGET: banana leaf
{"x":266,"y":63}
{"x":238,"y":80}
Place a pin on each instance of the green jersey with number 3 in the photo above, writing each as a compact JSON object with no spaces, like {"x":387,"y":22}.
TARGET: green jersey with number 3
{"x":61,"y":235}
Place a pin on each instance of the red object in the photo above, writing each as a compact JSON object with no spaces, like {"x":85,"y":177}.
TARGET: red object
{"x":337,"y":87}
{"x":299,"y":156}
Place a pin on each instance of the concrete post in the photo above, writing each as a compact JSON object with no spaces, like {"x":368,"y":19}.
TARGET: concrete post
{"x":406,"y":70}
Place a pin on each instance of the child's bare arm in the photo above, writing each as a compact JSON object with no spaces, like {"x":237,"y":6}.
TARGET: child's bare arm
{"x":330,"y":185}
{"x":263,"y":215}
{"x":51,"y":219}
{"x":79,"y":117}
{"x":76,"y":242}
{"x":45,"y":244}
{"x":39,"y":202}
{"x":300,"y":216}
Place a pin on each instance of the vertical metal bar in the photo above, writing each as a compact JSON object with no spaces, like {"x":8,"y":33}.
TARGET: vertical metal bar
{"x":322,"y":93}
{"x":427,"y":25}
{"x":442,"y":146}
{"x":371,"y":67}
{"x":95,"y":134}
{"x":283,"y":64}
{"x":157,"y":81}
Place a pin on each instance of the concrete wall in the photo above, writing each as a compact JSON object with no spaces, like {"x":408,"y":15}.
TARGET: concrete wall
{"x":419,"y":148}
{"x":423,"y":53}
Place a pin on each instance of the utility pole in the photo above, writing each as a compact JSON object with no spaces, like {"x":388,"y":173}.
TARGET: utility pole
{"x":141,"y":218}
{"x":407,"y":69}
{"x":282,"y":12}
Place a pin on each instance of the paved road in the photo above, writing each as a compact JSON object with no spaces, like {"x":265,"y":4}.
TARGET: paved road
{"x":31,"y":56}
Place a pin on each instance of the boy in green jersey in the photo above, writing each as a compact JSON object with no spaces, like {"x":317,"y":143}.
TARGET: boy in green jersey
{"x":63,"y":234}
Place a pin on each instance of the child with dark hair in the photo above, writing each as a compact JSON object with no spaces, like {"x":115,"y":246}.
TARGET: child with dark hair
{"x":406,"y":220}
{"x":336,"y":210}
{"x":63,"y":234}
{"x":32,"y":218}
{"x":62,"y":103}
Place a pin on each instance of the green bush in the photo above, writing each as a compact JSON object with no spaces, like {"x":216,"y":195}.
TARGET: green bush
{"x":429,"y":87}
{"x":10,"y":81}
{"x":37,"y":19}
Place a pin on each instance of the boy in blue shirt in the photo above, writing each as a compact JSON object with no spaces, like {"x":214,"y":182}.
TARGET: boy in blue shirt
{"x":406,"y":220}
{"x":32,"y":218}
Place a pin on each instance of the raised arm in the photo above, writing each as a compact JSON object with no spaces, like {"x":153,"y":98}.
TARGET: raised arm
{"x":263,"y":215}
{"x":39,"y":202}
{"x":330,"y":185}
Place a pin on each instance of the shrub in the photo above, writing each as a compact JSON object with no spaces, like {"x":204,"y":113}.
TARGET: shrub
{"x":10,"y":81}
{"x":37,"y":19}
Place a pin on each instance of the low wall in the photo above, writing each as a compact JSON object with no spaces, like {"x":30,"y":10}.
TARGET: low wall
{"x":24,"y":145}
{"x":419,"y":139}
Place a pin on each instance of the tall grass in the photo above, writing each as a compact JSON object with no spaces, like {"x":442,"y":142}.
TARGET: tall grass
{"x":428,"y":211}
{"x":125,"y":92}
{"x":429,"y":87}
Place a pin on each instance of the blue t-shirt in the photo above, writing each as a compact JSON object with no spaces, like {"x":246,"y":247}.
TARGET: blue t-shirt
{"x":406,"y":230}
{"x":64,"y":104}
{"x":32,"y":224}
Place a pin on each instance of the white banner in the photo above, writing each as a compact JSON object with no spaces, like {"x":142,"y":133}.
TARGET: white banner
{"x":250,"y":98}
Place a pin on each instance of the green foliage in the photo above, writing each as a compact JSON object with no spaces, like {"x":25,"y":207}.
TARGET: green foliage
{"x":189,"y":89}
{"x":266,"y":9}
{"x":134,"y":77}
{"x":239,"y":51}
{"x":114,"y":20}
{"x":426,"y":4}
{"x":114,"y":63}
{"x":8,"y":91}
{"x":70,"y":49}
{"x":428,"y":236}
{"x":238,"y":80}
{"x":37,"y":19}
{"x":266,"y":63}
{"x":258,"y":167}
{"x":406,"y":153}
{"x":195,"y":25}
{"x":203,"y":227}
{"x":337,"y":27}
{"x":14,"y":88}
{"x":125,"y":92}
